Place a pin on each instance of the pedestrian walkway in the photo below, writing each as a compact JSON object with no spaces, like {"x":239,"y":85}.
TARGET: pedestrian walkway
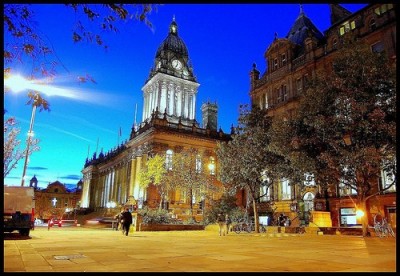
{"x":79,"y":249}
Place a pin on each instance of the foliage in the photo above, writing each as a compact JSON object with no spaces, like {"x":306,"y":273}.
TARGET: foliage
{"x":247,"y":161}
{"x":151,"y":216}
{"x":12,"y":153}
{"x":224,"y":205}
{"x":155,"y":173}
{"x":190,"y":175}
{"x":356,"y":99}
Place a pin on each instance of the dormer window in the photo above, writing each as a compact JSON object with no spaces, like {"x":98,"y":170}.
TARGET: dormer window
{"x":383,"y":9}
{"x":283,"y":58}
{"x":347,"y":26}
{"x":275,"y":64}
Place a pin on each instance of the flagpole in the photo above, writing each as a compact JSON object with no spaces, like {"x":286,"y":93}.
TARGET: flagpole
{"x":134,"y":124}
{"x":119,"y":134}
{"x":97,"y":146}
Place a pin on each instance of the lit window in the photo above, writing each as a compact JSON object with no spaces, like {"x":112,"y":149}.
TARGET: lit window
{"x":345,"y":189}
{"x":198,"y":164}
{"x":308,"y":200}
{"x":348,"y":217}
{"x":168,"y":160}
{"x":265,"y":191}
{"x":387,"y":179}
{"x":383,"y":8}
{"x":285,"y":189}
{"x":211,"y":166}
{"x":309,"y":179}
{"x":347,"y":26}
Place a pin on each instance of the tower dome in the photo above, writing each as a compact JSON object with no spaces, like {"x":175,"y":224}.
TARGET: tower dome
{"x":173,"y":43}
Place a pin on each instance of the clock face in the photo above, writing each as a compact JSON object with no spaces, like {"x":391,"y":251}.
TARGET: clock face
{"x":176,"y":64}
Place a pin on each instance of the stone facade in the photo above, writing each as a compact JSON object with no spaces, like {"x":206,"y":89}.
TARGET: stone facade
{"x":294,"y":59}
{"x":168,"y":124}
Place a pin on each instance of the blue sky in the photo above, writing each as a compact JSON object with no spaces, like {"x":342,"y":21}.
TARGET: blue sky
{"x":223,"y":41}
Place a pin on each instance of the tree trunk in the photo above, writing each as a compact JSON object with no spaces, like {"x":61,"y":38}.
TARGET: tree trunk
{"x":364,"y":219}
{"x":191,"y":202}
{"x":161,"y":202}
{"x":256,"y":222}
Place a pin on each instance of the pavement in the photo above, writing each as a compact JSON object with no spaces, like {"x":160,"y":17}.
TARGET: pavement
{"x":84,"y":249}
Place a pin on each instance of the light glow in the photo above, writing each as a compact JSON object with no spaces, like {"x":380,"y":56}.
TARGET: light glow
{"x":359,"y":213}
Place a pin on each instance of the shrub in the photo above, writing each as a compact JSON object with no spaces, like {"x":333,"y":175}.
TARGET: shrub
{"x":157,"y":216}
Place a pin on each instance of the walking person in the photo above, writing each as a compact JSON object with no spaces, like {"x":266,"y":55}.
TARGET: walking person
{"x":228,"y":223}
{"x":118,"y":218}
{"x":126,"y":221}
{"x":221,"y":224}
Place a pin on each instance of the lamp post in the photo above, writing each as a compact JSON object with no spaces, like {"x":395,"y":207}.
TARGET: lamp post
{"x":30,"y":134}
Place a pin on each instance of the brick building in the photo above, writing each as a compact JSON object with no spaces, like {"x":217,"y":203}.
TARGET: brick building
{"x":56,"y":200}
{"x":293,"y":59}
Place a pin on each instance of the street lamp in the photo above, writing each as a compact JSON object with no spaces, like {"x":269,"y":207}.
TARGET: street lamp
{"x":30,"y":134}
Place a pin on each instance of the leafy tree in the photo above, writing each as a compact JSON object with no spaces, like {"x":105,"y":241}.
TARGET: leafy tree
{"x":24,"y":39}
{"x":247,"y":162}
{"x":190,"y":175}
{"x":155,"y":173}
{"x":224,"y":205}
{"x":355,"y":99}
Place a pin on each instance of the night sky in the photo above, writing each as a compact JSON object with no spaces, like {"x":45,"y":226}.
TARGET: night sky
{"x":223,"y":42}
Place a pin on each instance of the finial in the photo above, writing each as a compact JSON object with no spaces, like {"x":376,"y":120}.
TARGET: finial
{"x":276,"y":35}
{"x":301,"y":9}
{"x":173,"y":17}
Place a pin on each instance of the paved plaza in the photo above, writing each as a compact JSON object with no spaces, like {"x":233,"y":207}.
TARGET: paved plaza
{"x":81,"y":249}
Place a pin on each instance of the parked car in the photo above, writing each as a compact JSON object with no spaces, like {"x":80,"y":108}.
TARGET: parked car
{"x":38,"y":221}
{"x":55,"y":221}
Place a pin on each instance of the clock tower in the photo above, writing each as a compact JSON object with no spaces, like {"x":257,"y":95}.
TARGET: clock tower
{"x":171,"y":88}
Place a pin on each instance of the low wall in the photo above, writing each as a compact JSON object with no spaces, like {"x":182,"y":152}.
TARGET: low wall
{"x":169,"y":227}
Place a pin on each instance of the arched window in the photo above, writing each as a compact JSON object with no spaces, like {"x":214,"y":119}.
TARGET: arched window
{"x":211,"y":166}
{"x":308,"y":201}
{"x":286,"y":192}
{"x":372,"y":24}
{"x":168,"y":160}
{"x":334,"y":43}
{"x":198,"y":163}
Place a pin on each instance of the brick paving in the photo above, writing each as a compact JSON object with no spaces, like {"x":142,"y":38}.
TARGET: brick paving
{"x":83,"y":249}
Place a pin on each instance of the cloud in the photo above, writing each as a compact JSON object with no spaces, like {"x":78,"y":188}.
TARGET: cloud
{"x":38,"y":168}
{"x":14,"y":177}
{"x":72,"y":177}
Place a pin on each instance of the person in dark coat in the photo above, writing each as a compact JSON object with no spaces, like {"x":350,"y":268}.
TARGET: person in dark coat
{"x":118,"y":218}
{"x":126,"y":221}
{"x":221,"y":224}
